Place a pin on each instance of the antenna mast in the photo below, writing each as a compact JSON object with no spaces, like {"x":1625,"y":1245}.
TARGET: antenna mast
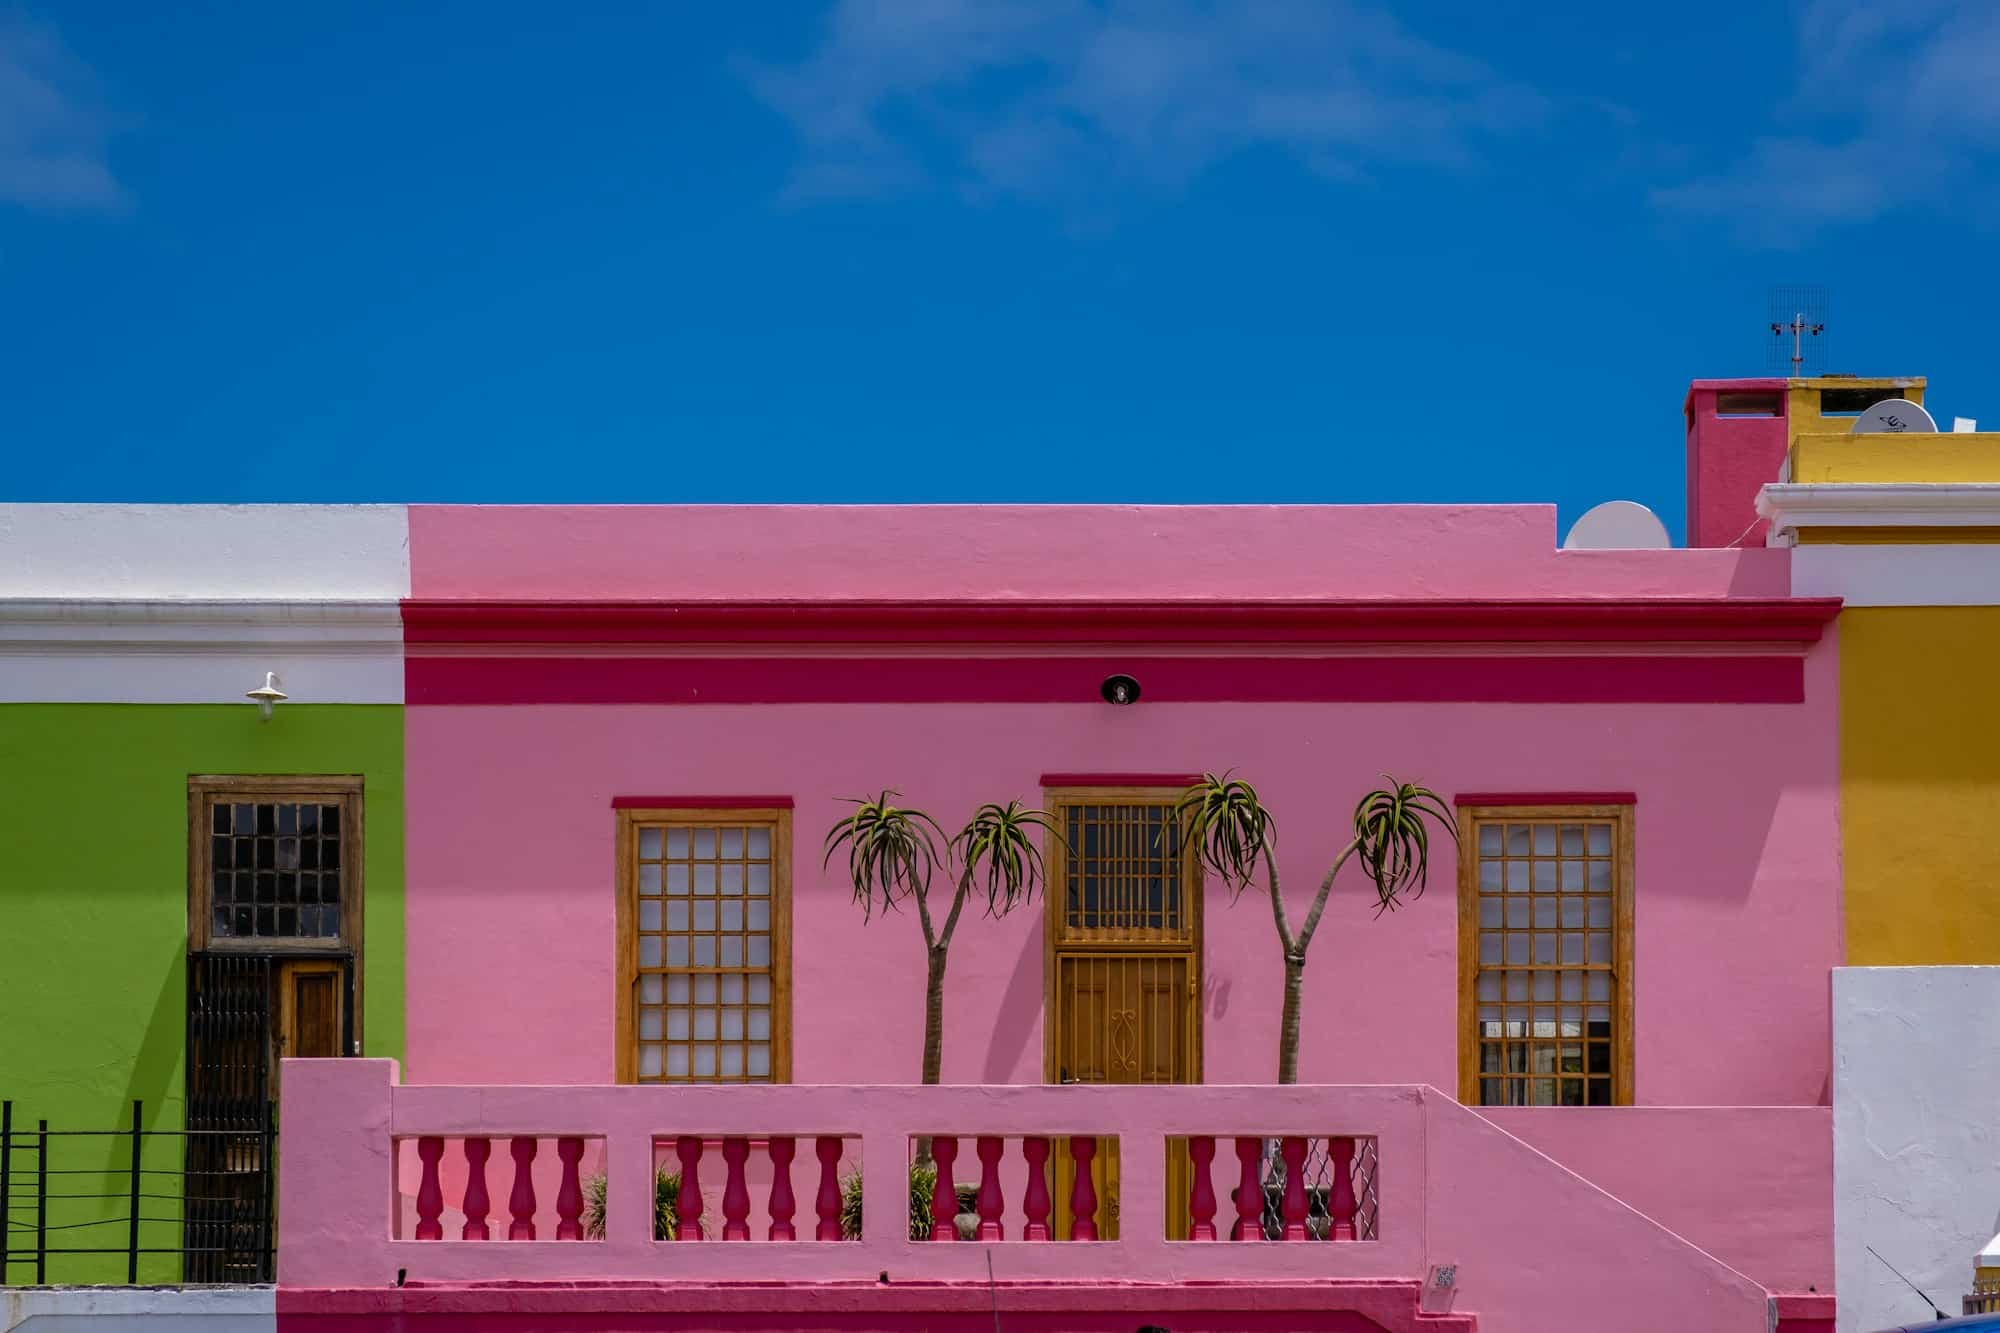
{"x":1801,"y":312}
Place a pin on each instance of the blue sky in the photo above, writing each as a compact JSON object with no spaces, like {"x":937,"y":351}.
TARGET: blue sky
{"x":1298,"y":250}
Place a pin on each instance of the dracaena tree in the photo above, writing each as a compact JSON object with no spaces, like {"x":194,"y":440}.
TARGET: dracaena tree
{"x":1231,"y":831}
{"x":894,"y":853}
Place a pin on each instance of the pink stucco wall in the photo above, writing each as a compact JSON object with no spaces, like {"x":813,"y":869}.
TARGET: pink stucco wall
{"x":1729,"y":458}
{"x":1753,"y":1185}
{"x":510,"y":844}
{"x":511,"y":875}
{"x":510,"y":857}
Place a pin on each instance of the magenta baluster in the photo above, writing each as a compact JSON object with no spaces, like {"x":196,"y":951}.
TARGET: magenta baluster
{"x":1249,"y":1191}
{"x":1294,"y":1206}
{"x":827,"y":1203}
{"x":1201,"y":1200}
{"x":991,"y":1201}
{"x":476,"y":1202}
{"x":687,"y":1205}
{"x":782,"y":1204}
{"x":569,"y":1195}
{"x":521,"y":1203}
{"x":1082,"y":1191}
{"x":944,"y":1195}
{"x":430,"y":1198}
{"x":1342,"y":1203}
{"x":735,"y":1191}
{"x":1036,"y":1203}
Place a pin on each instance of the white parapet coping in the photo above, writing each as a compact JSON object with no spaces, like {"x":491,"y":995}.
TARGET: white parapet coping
{"x":138,"y":1309}
{"x":1791,"y":505}
{"x":140,"y":552}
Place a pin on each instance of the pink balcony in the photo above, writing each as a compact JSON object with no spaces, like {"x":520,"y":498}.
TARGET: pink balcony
{"x":484,"y":1193}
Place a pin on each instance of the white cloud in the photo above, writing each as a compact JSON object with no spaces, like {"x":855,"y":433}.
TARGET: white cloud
{"x":52,"y":132}
{"x":1896,"y":106}
{"x":1059,"y":99}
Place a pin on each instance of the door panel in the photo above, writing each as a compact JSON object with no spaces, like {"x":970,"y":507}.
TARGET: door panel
{"x":309,"y":1006}
{"x":1124,"y":1018}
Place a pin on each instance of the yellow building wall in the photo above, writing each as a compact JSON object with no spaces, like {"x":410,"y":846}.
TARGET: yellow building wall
{"x":1920,"y":763}
{"x":1945,"y":458}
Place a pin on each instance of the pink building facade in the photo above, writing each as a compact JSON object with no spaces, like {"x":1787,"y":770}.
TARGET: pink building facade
{"x":568,"y":666}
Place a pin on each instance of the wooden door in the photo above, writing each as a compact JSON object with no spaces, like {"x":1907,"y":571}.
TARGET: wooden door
{"x":311,"y":999}
{"x":1124,"y":967}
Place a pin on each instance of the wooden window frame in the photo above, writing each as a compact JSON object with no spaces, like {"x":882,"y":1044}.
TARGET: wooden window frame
{"x":1621,"y":817}
{"x":205,"y":791}
{"x":349,"y":792}
{"x":626,"y":978}
{"x":1055,"y":858}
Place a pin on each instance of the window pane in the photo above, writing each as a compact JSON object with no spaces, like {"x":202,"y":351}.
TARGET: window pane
{"x":278,"y":859}
{"x":703,"y":919}
{"x":1544,"y":909}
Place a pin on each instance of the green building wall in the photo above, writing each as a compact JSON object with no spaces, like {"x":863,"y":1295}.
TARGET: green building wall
{"x":93,"y":932}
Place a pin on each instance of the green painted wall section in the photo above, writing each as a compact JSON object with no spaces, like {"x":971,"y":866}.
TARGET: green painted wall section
{"x":93,"y":923}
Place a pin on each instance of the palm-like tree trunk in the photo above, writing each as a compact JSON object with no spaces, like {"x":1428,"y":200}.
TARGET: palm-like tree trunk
{"x":1288,"y":1023}
{"x":934,"y":1014}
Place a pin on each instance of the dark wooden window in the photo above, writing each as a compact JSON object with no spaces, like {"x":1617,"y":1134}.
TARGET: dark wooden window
{"x":274,"y":864}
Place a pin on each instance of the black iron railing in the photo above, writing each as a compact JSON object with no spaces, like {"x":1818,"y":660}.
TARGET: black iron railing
{"x":73,"y":1199}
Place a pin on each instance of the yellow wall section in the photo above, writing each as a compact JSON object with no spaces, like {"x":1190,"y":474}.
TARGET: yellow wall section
{"x":1919,"y":732}
{"x":1946,"y":457}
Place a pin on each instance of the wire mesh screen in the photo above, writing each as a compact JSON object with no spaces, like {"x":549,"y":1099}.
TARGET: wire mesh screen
{"x":1318,"y":1173}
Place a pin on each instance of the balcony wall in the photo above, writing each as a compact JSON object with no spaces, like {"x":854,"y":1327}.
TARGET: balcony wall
{"x":1535,"y":1246}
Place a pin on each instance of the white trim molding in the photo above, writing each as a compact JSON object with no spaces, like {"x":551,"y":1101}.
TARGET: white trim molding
{"x":1793,"y":505}
{"x":82,"y":650}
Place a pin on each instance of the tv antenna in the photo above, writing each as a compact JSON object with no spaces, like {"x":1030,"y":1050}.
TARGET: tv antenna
{"x":1798,"y":313}
{"x":1906,"y":1282}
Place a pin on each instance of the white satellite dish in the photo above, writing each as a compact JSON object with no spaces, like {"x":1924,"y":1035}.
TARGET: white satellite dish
{"x":1617,"y":525}
{"x":1894,"y":416}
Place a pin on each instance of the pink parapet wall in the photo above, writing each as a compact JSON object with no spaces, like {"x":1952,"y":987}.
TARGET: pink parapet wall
{"x":1537,"y":1249}
{"x":1752,"y":1184}
{"x":951,"y":552}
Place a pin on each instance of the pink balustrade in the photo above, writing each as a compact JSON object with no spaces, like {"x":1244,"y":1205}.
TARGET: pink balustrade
{"x":1041,"y":1172}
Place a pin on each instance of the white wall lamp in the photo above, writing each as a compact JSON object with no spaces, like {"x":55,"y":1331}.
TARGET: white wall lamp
{"x":267,"y":695}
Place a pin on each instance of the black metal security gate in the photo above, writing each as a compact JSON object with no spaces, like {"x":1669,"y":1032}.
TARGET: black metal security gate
{"x":229,"y":1160}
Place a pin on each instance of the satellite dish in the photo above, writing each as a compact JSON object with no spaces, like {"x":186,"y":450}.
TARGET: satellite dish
{"x":1894,"y":416}
{"x":1617,"y":525}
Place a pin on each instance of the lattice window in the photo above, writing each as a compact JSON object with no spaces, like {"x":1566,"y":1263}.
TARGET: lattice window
{"x":704,"y":934}
{"x":275,"y":863}
{"x":1122,"y":873}
{"x":1545,"y":906}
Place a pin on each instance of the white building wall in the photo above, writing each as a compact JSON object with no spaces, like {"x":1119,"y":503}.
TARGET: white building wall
{"x":139,"y":1310}
{"x":171,"y":604}
{"x":1916,"y":1136}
